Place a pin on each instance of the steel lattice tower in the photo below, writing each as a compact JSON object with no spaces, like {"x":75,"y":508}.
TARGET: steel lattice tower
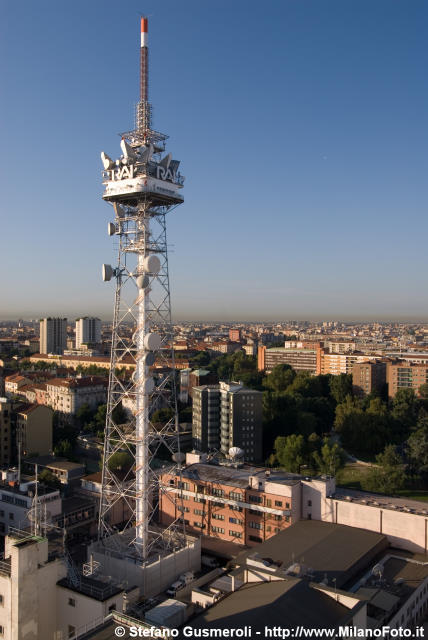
{"x":143,"y":186}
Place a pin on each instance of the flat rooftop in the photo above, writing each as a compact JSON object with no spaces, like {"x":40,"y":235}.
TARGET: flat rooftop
{"x":326,"y":550}
{"x":236,"y":477}
{"x":284,"y":603}
{"x":386,"y":502}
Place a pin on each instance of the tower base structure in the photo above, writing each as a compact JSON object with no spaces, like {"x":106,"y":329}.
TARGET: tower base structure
{"x":155,"y":575}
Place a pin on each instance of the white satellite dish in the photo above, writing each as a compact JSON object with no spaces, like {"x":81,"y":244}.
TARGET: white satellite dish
{"x":235,"y":452}
{"x":107,"y":272}
{"x":128,"y":151}
{"x":152,"y":264}
{"x":107,"y":161}
{"x":152,"y":341}
{"x":111,"y":228}
{"x":146,"y":153}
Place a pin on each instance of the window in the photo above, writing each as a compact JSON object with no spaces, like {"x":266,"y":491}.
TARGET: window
{"x":11,"y":516}
{"x":235,"y":534}
{"x":287,"y":505}
{"x":309,"y":503}
{"x":235,"y":521}
{"x":255,"y":525}
{"x":278,"y":503}
{"x":198,"y":512}
{"x":233,"y":495}
{"x":217,"y":530}
{"x":112,"y":607}
{"x":183,"y":485}
{"x":255,"y":539}
{"x":278,"y":518}
{"x":217,"y":516}
{"x":234,"y":508}
{"x":183,"y":509}
{"x":71,"y":631}
{"x":218,"y":492}
{"x":257,"y":499}
{"x":72,"y":602}
{"x":200,"y":525}
{"x":268,"y":503}
{"x":201,"y":500}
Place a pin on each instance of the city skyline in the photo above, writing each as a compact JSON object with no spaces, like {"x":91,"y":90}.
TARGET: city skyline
{"x":323,"y":220}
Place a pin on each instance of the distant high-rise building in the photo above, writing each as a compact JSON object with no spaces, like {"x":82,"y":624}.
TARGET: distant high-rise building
{"x":53,"y":335}
{"x":225,"y":416}
{"x":88,"y":331}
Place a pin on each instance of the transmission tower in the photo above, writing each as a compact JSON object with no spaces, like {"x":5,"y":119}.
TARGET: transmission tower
{"x":143,"y":185}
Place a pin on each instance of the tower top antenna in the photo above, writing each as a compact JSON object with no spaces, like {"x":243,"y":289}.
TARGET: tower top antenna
{"x":144,"y":108}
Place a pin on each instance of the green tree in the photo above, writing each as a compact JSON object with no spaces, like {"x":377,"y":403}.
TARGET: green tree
{"x":63,"y":449}
{"x":120,"y":461}
{"x":291,"y":452}
{"x":84,"y":415}
{"x":423,"y":391}
{"x":341,"y":387}
{"x":330,"y":459}
{"x":162,"y":415}
{"x":279,"y":378}
{"x":405,"y":408}
{"x":389,"y":476}
{"x":49,"y":479}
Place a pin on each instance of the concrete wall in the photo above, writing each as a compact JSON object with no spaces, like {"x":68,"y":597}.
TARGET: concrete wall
{"x":404,"y":530}
{"x":85,"y":612}
{"x":155,"y":577}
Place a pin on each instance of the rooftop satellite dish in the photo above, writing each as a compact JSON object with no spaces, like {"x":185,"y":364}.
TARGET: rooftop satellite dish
{"x":111,"y":228}
{"x":165,"y":162}
{"x":128,"y":151}
{"x":179,"y":457}
{"x":107,"y":161}
{"x":235,"y":452}
{"x":107,"y":272}
{"x":378,"y":570}
{"x":146,"y":153}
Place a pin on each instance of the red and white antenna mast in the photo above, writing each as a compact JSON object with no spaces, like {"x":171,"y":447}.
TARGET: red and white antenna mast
{"x":144,"y":108}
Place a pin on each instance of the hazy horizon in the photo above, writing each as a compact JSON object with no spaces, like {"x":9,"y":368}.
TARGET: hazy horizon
{"x":305,"y":156}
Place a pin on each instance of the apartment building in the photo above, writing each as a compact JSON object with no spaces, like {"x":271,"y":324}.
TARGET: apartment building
{"x":227,"y":415}
{"x":88,"y":332}
{"x":337,"y":363}
{"x":69,"y":394}
{"x":34,"y":429}
{"x":245,"y":505}
{"x":16,"y":500}
{"x":206,"y":417}
{"x":15,"y":382}
{"x":368,"y":377}
{"x":5,"y":431}
{"x":53,"y":335}
{"x":404,"y":375}
{"x":301,"y":359}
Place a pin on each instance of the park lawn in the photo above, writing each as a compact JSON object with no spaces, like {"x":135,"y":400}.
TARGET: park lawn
{"x":351,"y":475}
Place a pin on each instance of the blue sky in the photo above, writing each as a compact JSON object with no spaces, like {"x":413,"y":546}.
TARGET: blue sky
{"x":301,"y":126}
